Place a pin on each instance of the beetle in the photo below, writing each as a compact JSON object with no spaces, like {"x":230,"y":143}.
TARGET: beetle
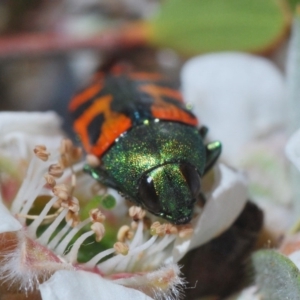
{"x":147,"y":141}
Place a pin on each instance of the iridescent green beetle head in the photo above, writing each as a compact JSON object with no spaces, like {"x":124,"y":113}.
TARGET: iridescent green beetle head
{"x":170,"y":191}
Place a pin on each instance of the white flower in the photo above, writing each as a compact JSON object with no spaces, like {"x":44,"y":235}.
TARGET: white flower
{"x":249,"y":293}
{"x":242,"y":99}
{"x":42,"y":232}
{"x":237,"y":95}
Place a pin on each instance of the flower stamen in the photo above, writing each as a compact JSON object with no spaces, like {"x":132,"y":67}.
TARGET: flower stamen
{"x":96,"y":215}
{"x":67,"y":239}
{"x":61,"y":191}
{"x":136,"y":213}
{"x":124,"y":233}
{"x":37,"y":222}
{"x":72,"y":255}
{"x":50,"y":180}
{"x":55,"y":170}
{"x":41,"y":152}
{"x":185,"y":231}
{"x":44,"y":238}
{"x":93,"y":160}
{"x":121,"y":248}
{"x":138,"y":247}
{"x":99,"y":231}
{"x":74,"y":217}
{"x":71,"y":203}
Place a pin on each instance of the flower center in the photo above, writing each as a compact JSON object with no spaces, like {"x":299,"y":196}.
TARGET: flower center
{"x":86,"y":228}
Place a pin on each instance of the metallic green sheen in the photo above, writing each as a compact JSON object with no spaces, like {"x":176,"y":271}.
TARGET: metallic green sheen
{"x":174,"y":194}
{"x":149,"y":146}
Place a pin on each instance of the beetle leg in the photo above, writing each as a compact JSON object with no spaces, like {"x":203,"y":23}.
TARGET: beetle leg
{"x":213,"y":151}
{"x":203,"y":131}
{"x":100,"y":175}
{"x":201,"y":199}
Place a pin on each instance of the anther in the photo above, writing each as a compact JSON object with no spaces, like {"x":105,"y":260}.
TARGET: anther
{"x":99,"y":230}
{"x":74,"y":217}
{"x":50,"y":180}
{"x":61,"y":191}
{"x":92,"y":160}
{"x":96,"y":215}
{"x":66,"y":146}
{"x":136,"y":213}
{"x":57,"y":204}
{"x":76,"y":154}
{"x":71,"y":203}
{"x":40,"y":148}
{"x":185,"y":232}
{"x":121,"y":248}
{"x":171,"y":229}
{"x":124,"y":233}
{"x":41,"y":152}
{"x":55,"y":170}
{"x":158,"y":229}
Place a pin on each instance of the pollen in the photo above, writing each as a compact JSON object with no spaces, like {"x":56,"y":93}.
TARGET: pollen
{"x":71,"y":203}
{"x":73,"y":218}
{"x":61,"y":191}
{"x":99,"y":230}
{"x":57,"y":204}
{"x":92,"y":160}
{"x":50,"y":180}
{"x":171,"y":229}
{"x":136,"y":213}
{"x":41,"y":152}
{"x":124,"y":233}
{"x":65,"y":146}
{"x":121,"y":248}
{"x":96,"y":215}
{"x":55,"y":170}
{"x":158,"y":229}
{"x":69,"y":154}
{"x":185,"y":231}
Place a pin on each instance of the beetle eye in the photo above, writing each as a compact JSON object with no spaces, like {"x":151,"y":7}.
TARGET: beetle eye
{"x":148,"y":194}
{"x":192,"y":178}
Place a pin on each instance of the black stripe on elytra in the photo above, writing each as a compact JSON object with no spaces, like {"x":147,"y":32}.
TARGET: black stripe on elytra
{"x":84,"y":106}
{"x":94,"y":128}
{"x":128,"y":100}
{"x":80,"y":110}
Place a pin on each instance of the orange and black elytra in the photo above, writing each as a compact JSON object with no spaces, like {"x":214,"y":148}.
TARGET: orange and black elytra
{"x":147,"y":140}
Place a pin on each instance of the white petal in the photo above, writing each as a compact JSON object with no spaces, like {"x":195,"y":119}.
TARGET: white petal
{"x":221,"y":210}
{"x":46,"y":123}
{"x":21,"y":131}
{"x":238,"y":96}
{"x":79,"y":285}
{"x":292,"y":149}
{"x":249,"y":293}
{"x":159,"y":284}
{"x":7,"y":221}
{"x":295,"y":258}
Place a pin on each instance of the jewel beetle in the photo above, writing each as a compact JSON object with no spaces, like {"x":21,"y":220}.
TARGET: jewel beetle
{"x":147,"y":141}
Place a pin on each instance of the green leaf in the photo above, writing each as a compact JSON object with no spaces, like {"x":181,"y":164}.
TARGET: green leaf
{"x":276,"y":276}
{"x":195,"y":26}
{"x":294,"y":3}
